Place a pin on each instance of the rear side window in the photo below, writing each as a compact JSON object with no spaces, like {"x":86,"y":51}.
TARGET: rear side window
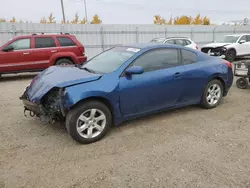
{"x":170,"y":41}
{"x":188,"y":57}
{"x":44,"y":42}
{"x":180,"y":42}
{"x":187,"y":42}
{"x":248,"y":38}
{"x":158,"y":59}
{"x":66,"y":41}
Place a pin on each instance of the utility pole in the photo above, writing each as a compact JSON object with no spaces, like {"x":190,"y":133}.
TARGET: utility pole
{"x":64,"y":20}
{"x":86,"y":14}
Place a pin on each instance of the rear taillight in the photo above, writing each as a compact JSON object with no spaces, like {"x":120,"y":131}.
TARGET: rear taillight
{"x":229,"y":64}
{"x":196,"y":47}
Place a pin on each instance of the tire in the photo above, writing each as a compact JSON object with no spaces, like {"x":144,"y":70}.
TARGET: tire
{"x":230,"y":55}
{"x":212,"y":94}
{"x":242,"y":83}
{"x":64,"y":62}
{"x":82,"y":116}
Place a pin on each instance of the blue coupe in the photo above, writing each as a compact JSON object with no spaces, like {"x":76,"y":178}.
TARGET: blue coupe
{"x":126,"y":82}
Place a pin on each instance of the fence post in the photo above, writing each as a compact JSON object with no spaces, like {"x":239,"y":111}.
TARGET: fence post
{"x":136,"y":35}
{"x":234,"y":29}
{"x":192,"y":27}
{"x":102,"y":38}
{"x":166,"y":32}
{"x":62,"y":29}
{"x":214,"y":33}
{"x":13,"y":28}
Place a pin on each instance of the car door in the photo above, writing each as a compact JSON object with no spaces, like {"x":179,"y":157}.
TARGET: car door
{"x":158,"y":87}
{"x":18,"y":59}
{"x":194,"y":78}
{"x":248,"y":44}
{"x":44,"y":48}
{"x":242,"y":47}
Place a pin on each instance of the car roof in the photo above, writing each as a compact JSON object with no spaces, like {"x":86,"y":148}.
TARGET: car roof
{"x":171,"y":38}
{"x":43,"y":34}
{"x":153,"y":45}
{"x":238,"y":35}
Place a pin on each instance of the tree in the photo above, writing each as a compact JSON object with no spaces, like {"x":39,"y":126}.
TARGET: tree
{"x":43,"y":20}
{"x":51,"y":19}
{"x":183,"y":20}
{"x":76,"y":19}
{"x":96,"y":20}
{"x":158,"y":20}
{"x":83,"y":21}
{"x":2,"y":20}
{"x":198,"y":20}
{"x":13,"y":20}
{"x":206,"y":21}
{"x":170,"y":21}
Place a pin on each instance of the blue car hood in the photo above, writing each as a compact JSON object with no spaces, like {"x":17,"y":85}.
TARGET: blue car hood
{"x":57,"y":76}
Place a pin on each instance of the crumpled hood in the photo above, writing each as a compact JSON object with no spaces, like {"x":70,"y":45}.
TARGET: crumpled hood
{"x":57,"y":76}
{"x":215,"y":45}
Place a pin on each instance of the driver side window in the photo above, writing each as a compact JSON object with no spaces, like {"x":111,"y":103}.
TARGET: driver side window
{"x":243,"y":38}
{"x":21,"y":44}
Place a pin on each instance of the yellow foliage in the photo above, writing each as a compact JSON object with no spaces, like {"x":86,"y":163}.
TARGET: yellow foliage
{"x":2,"y":20}
{"x":43,"y":20}
{"x":76,"y":19}
{"x":183,"y":20}
{"x":96,"y":20}
{"x":206,"y":21}
{"x":51,"y":19}
{"x":13,"y":20}
{"x":83,"y":21}
{"x":158,"y":20}
{"x":198,"y":20}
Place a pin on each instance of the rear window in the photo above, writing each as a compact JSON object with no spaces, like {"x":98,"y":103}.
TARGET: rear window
{"x":44,"y":42}
{"x":66,"y":41}
{"x":188,"y":57}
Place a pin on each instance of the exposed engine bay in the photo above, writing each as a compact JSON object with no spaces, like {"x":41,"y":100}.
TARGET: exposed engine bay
{"x":217,"y":51}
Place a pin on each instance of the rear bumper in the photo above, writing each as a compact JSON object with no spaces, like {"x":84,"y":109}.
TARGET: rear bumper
{"x":81,"y":59}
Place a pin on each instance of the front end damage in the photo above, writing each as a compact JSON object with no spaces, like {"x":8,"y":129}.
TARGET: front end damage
{"x":50,"y":108}
{"x":216,"y":51}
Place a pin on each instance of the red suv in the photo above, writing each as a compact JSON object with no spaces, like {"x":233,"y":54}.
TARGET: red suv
{"x":38,"y":52}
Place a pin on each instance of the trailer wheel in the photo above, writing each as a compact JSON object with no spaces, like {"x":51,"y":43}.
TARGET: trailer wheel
{"x":242,"y":83}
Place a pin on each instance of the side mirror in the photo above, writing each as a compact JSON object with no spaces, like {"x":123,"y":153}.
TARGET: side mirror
{"x":242,"y":41}
{"x":8,"y":48}
{"x":134,"y":70}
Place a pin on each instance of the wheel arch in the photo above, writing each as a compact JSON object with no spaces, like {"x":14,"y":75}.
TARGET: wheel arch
{"x":64,"y":57}
{"x":222,"y":82}
{"x":232,"y":48}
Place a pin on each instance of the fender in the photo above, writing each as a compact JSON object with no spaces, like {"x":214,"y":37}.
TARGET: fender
{"x":54,"y":57}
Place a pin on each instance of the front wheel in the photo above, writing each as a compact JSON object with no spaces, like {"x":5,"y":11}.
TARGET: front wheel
{"x":212,"y":94}
{"x":89,"y":122}
{"x":64,"y":62}
{"x":242,"y":83}
{"x":230,"y":55}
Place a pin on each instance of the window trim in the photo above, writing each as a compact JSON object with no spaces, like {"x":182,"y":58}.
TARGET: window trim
{"x":179,"y":58}
{"x":42,"y":37}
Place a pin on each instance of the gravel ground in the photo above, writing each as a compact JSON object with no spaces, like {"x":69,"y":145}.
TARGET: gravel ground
{"x":189,"y":147}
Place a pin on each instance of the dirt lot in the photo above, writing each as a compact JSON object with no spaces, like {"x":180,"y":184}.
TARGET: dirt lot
{"x":190,"y":147}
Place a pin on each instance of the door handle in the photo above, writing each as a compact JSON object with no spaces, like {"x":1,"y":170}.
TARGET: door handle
{"x":26,"y":53}
{"x":177,"y":74}
{"x":54,"y":51}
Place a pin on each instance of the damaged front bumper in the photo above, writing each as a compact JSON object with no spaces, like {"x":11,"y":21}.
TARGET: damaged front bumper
{"x":218,"y":51}
{"x":48,"y":112}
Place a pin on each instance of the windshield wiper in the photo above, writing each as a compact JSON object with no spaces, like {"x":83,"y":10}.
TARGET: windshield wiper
{"x":87,"y":69}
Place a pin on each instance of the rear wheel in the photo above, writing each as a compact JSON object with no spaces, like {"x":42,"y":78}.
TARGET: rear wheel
{"x":212,"y":94}
{"x":230,"y":55}
{"x":89,"y":122}
{"x":64,"y":62}
{"x":242,"y":83}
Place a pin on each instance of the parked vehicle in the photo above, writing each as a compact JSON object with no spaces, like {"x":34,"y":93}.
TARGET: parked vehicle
{"x":182,"y":41}
{"x":230,"y":47}
{"x":242,"y":71}
{"x":126,"y":82}
{"x":39,"y":51}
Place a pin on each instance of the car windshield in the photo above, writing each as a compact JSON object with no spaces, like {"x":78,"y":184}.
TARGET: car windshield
{"x":158,"y":40}
{"x":230,"y":39}
{"x":110,"y":60}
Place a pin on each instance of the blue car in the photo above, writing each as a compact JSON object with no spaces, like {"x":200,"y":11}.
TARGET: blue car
{"x":123,"y":83}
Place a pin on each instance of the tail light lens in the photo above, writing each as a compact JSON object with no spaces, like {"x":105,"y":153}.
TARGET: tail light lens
{"x":229,"y":64}
{"x":196,"y":47}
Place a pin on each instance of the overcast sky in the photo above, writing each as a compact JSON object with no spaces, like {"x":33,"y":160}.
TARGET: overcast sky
{"x":126,"y":11}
